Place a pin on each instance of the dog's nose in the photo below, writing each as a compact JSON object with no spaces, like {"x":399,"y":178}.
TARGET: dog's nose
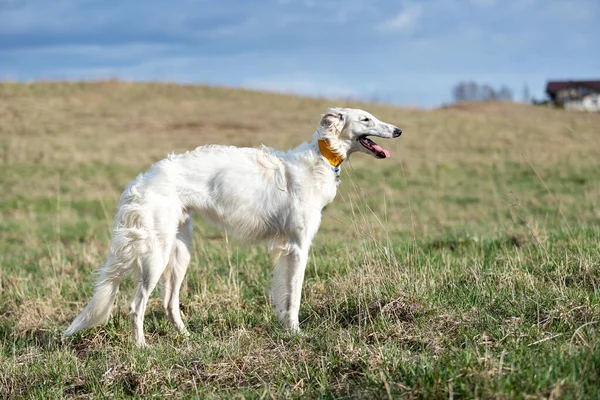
{"x":397,"y":132}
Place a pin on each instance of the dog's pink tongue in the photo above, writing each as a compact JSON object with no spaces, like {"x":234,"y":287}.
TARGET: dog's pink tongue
{"x":381,"y":152}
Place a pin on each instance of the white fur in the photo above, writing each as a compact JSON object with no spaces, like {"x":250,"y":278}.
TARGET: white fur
{"x":256,"y":195}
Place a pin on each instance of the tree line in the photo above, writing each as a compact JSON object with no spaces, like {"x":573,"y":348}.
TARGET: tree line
{"x":473,"y":91}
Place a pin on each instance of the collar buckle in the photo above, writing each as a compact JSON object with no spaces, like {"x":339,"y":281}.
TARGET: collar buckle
{"x":336,"y":170}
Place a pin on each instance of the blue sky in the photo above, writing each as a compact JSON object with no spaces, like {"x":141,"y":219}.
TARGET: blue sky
{"x":405,"y":52}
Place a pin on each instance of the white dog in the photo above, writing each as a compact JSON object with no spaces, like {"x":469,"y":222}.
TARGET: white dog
{"x":257,"y":195}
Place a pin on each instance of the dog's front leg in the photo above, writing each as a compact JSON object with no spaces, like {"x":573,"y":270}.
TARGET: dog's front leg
{"x":287,"y":285}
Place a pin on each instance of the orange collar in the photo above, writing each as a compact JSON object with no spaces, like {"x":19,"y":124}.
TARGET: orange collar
{"x":334,"y":159}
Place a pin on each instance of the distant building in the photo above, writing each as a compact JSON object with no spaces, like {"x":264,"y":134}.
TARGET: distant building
{"x":575,"y":95}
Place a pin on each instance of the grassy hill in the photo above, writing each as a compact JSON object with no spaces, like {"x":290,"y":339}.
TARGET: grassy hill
{"x":466,"y":265}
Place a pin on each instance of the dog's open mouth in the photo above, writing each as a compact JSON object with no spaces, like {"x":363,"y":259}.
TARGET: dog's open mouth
{"x":373,"y":147}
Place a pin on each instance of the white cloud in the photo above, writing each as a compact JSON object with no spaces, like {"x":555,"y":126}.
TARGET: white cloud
{"x":404,"y":21}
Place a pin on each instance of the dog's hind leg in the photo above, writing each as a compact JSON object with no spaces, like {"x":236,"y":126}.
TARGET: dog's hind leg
{"x":287,"y":285}
{"x":175,"y":273}
{"x":152,"y":265}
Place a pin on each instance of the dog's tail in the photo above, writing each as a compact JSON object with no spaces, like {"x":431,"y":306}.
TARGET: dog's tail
{"x":126,"y":246}
{"x":130,"y":239}
{"x":98,"y":309}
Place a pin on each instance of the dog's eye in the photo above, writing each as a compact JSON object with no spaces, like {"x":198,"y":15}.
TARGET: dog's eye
{"x":364,"y":119}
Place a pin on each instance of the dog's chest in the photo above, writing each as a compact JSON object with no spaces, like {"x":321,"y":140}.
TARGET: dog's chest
{"x":327,"y":192}
{"x":329,"y":195}
{"x":318,"y":191}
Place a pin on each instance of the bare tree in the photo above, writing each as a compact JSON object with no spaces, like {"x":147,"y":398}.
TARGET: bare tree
{"x":472,"y":91}
{"x":505,"y":93}
{"x":487,"y":93}
{"x":526,"y":94}
{"x":459,"y":92}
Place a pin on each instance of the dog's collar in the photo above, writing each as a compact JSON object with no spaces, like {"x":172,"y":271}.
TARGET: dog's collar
{"x":326,"y":151}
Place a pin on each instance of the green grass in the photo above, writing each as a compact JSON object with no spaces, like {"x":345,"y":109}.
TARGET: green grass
{"x":465,"y":266}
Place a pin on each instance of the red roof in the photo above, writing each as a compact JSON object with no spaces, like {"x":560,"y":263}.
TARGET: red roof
{"x":552,"y":88}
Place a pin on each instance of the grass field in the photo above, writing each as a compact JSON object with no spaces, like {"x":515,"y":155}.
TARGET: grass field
{"x":465,"y":266}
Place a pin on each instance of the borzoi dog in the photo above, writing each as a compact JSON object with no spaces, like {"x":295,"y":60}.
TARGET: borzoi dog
{"x":254,"y":194}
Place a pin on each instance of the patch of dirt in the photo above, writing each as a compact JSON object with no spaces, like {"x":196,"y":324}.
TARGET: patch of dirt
{"x":401,"y":308}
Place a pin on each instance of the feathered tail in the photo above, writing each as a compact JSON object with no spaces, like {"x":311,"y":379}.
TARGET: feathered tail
{"x":129,"y":241}
{"x":98,"y":309}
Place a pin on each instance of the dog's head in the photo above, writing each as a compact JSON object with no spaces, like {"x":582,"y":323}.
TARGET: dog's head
{"x":347,"y":130}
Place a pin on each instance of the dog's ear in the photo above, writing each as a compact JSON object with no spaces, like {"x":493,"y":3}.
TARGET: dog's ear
{"x":333,"y":122}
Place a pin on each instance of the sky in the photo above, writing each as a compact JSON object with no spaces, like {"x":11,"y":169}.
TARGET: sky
{"x":408,"y":53}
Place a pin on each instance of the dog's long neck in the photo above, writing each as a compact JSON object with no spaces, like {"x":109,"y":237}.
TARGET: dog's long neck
{"x":313,"y":172}
{"x":319,"y":154}
{"x":329,"y":153}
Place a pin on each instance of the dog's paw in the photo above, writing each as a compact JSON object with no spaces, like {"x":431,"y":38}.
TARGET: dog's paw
{"x":184,"y":332}
{"x":295,"y":334}
{"x":294,"y":327}
{"x":140,"y":343}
